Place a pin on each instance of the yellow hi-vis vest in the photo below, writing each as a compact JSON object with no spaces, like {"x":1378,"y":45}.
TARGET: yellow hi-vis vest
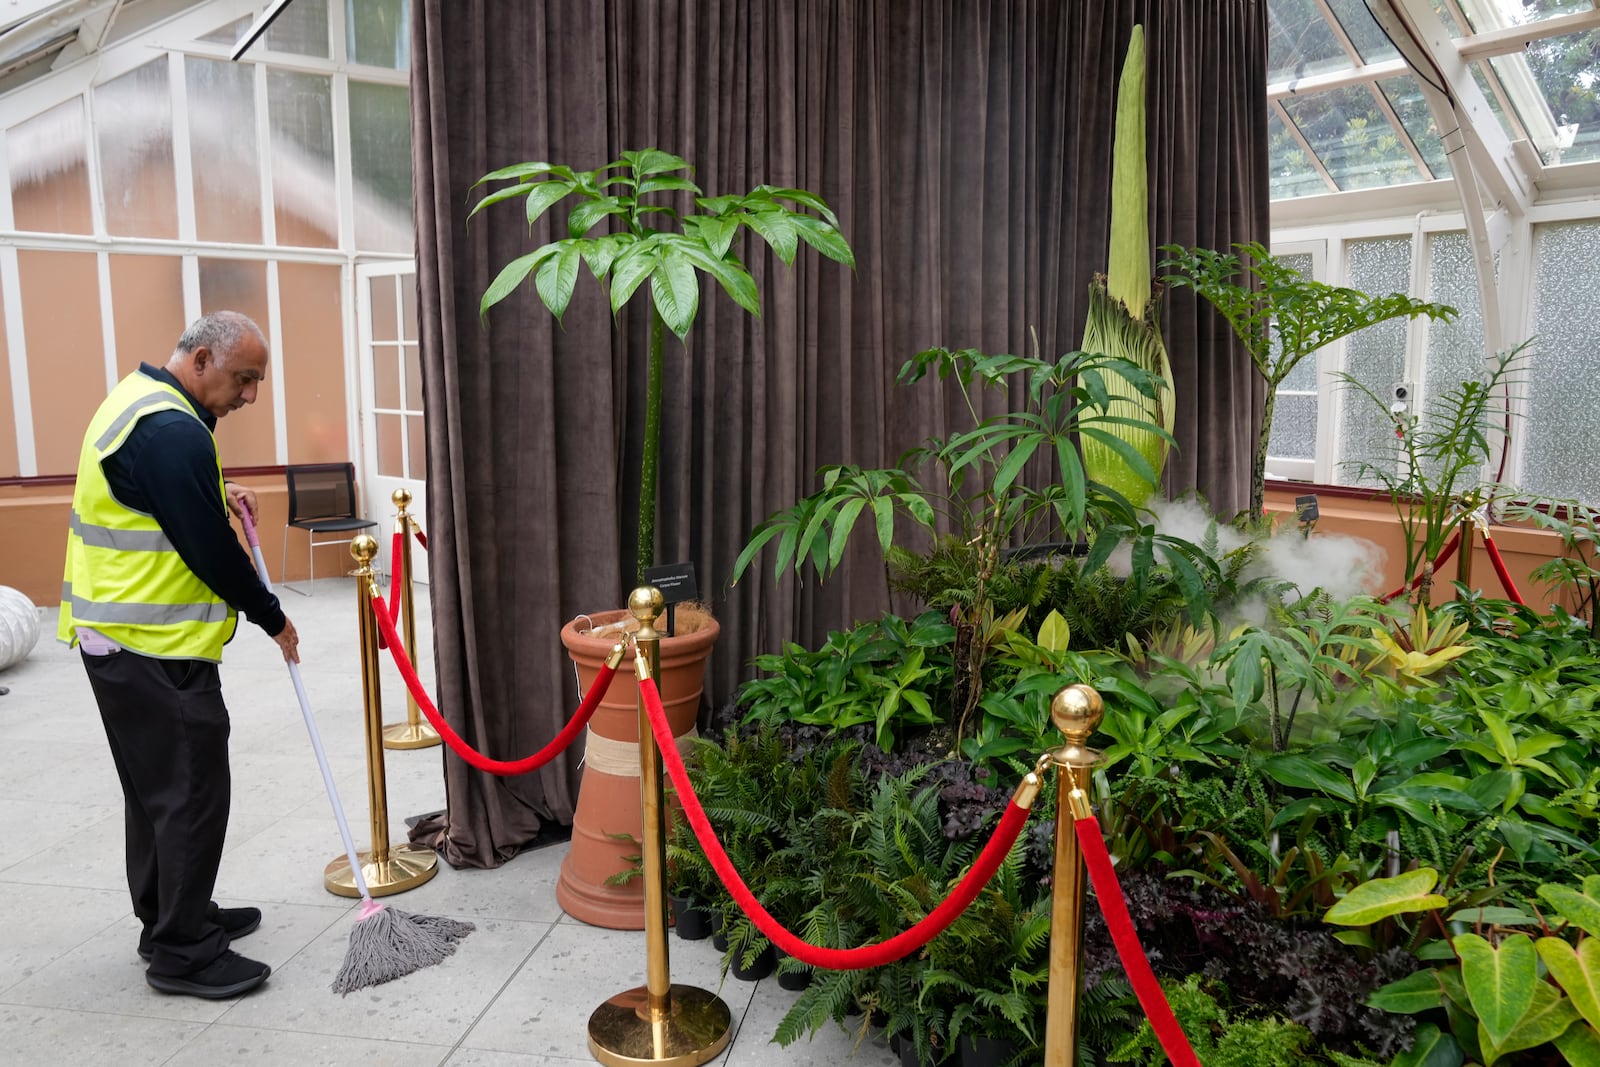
{"x":124,"y":578}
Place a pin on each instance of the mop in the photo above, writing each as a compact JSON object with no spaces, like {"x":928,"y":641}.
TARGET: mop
{"x":385,"y":943}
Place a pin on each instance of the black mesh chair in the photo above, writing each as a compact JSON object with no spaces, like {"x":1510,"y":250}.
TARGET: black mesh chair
{"x":322,"y":500}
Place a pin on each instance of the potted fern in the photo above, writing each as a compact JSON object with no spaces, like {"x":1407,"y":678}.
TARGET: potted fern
{"x":641,"y":219}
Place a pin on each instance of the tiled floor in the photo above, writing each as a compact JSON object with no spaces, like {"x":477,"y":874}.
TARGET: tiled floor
{"x":518,"y":992}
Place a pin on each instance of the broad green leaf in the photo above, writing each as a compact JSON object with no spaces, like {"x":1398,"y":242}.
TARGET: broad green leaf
{"x":510,"y":276}
{"x":1430,"y":1048}
{"x":1298,"y":772}
{"x":1544,"y":1021}
{"x":654,"y":161}
{"x":675,"y":287}
{"x":508,"y":193}
{"x":556,"y":277}
{"x":664,"y":185}
{"x":883,"y":514}
{"x":520,"y":170}
{"x":582,"y":218}
{"x":732,"y":276}
{"x":825,"y":239}
{"x":717,"y":233}
{"x":1577,"y":970}
{"x":1580,"y":908}
{"x":1494,"y":916}
{"x":1500,"y":981}
{"x":842,"y":525}
{"x":1054,"y":633}
{"x":631,"y":268}
{"x":1383,"y":897}
{"x":776,"y":227}
{"x":542,"y":196}
{"x":1580,"y":1045}
{"x":1407,"y":996}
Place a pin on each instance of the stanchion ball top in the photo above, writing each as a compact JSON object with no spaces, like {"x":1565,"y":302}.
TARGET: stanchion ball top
{"x":363,"y":548}
{"x":1077,"y":711}
{"x":646,"y":604}
{"x":401,"y":498}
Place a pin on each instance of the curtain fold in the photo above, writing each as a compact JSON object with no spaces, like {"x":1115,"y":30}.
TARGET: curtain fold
{"x":966,"y":149}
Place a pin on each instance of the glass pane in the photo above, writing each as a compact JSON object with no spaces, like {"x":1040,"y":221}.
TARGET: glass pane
{"x":230,"y":34}
{"x":408,"y":306}
{"x":416,"y":448}
{"x":313,"y":362}
{"x":64,"y":392}
{"x":1294,"y":427}
{"x":147,"y":308}
{"x":1303,"y":379}
{"x":1372,"y":44}
{"x":245,"y":438}
{"x":300,"y":29}
{"x":385,"y":316}
{"x":1455,"y":351}
{"x":1405,"y":96}
{"x":1446,"y":16}
{"x":1566,"y":73}
{"x":1352,"y":138}
{"x":222,"y":140}
{"x":380,"y":163}
{"x":50,"y":171}
{"x":1375,"y":356}
{"x":1300,"y":43}
{"x":391,"y":452}
{"x":1562,"y":453}
{"x":305,"y":201}
{"x":133,"y":116}
{"x":378,"y":32}
{"x":413,"y":378}
{"x":1292,"y":172}
{"x":1486,"y":15}
{"x":386,"y":376}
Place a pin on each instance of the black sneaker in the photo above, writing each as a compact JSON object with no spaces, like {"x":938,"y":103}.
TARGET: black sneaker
{"x":238,"y":922}
{"x":229,"y":975}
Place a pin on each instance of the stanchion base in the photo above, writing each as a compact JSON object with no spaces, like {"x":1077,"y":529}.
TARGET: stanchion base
{"x":695,"y":1031}
{"x":402,"y":735}
{"x":407,"y":867}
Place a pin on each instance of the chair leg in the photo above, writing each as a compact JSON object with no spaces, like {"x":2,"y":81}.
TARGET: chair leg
{"x":283,"y":563}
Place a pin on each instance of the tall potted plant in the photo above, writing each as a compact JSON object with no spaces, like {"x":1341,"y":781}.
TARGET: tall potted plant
{"x":638,"y":219}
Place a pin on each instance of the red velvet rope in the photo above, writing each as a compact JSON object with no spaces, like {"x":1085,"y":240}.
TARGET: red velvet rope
{"x":422,"y":539}
{"x":1448,"y":551}
{"x":1500,"y":569}
{"x":394,"y":584}
{"x":1109,"y":892}
{"x":568,"y":734}
{"x":835,"y":959}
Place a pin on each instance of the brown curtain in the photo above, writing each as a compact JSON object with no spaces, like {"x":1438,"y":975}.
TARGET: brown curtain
{"x":965,"y":147}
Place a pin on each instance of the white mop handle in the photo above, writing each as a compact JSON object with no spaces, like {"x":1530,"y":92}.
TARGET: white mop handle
{"x":311,"y":722}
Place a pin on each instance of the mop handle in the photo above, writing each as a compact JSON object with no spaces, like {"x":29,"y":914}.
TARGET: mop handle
{"x":311,"y":722}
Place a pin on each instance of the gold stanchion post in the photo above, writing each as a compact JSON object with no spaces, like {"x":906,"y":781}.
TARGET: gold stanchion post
{"x":658,"y":1022}
{"x":1076,"y":711}
{"x":413,"y":733}
{"x":1469,"y":528}
{"x":387,"y":870}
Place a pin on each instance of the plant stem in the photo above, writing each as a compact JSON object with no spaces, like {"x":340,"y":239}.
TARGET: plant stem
{"x":650,"y":460}
{"x":1258,"y":469}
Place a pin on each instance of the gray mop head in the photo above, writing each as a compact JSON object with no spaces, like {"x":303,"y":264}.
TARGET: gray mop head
{"x":387,"y":943}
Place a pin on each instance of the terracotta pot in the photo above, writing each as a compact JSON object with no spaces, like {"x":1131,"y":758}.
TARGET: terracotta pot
{"x":608,"y":823}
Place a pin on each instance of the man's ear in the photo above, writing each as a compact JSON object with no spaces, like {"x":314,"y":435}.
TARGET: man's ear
{"x":200,"y":359}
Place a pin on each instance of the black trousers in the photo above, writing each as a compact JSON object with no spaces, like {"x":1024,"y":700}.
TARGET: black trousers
{"x":168,"y":730}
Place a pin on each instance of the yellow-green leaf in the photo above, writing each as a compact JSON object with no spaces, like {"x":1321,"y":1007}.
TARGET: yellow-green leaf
{"x":1383,"y":897}
{"x":1054,"y":633}
{"x":1547,"y":1017}
{"x":1500,"y":982}
{"x":1581,"y":909}
{"x":1577,"y":970}
{"x":1580,"y":1045}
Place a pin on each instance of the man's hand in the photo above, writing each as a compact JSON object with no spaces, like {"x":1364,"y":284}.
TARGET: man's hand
{"x":239,"y":497}
{"x":289,"y":641}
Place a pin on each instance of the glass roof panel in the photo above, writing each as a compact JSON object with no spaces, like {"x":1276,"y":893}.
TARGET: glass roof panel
{"x":1485,"y":15}
{"x":1290,"y":171}
{"x":1566,"y":70}
{"x":1352,"y":138}
{"x":1357,"y":22}
{"x":1442,"y":9}
{"x":1479,"y":76}
{"x":1405,"y":96}
{"x":1300,"y":42}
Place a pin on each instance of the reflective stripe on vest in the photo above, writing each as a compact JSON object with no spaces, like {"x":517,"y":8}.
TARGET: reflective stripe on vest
{"x":124,"y":577}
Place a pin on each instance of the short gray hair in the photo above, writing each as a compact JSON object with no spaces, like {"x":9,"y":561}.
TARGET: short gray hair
{"x":220,"y":331}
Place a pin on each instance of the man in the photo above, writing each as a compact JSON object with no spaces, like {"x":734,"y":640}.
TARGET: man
{"x":154,"y":579}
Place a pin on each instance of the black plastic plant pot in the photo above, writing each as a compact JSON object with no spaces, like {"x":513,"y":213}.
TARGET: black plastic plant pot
{"x":690,"y":918}
{"x":905,"y":1049}
{"x":759,"y":968}
{"x":794,"y":980}
{"x":986,"y":1052}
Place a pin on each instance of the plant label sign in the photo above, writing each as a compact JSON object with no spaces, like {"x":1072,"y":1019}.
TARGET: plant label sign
{"x":677,"y":584}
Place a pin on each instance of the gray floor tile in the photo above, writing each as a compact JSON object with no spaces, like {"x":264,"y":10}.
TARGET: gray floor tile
{"x":58,"y":921}
{"x":478,"y":1057}
{"x":831,"y":1045}
{"x":54,"y":1036}
{"x":223,"y":1043}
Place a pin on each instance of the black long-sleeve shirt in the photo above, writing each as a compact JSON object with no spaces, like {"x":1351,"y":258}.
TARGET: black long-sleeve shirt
{"x":166,"y":469}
